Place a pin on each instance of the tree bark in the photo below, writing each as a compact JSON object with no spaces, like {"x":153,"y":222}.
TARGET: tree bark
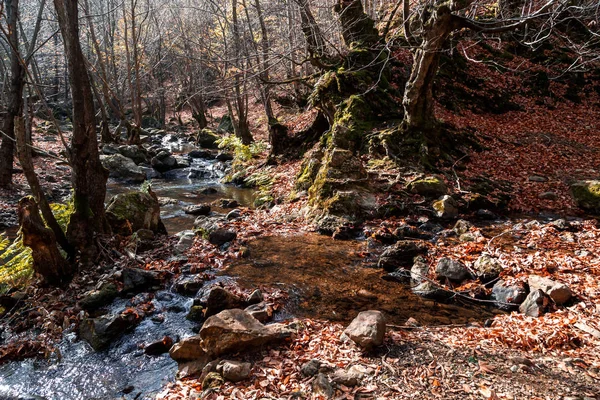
{"x":47,"y":260}
{"x":89,"y":176}
{"x":15,"y":95}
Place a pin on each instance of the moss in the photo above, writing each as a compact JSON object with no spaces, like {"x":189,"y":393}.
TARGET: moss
{"x":428,"y":186}
{"x":207,"y":139}
{"x":587,"y":195}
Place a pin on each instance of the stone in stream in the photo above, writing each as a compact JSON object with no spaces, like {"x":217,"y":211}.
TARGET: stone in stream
{"x":401,"y":254}
{"x":196,"y":314}
{"x":102,"y":331}
{"x":429,"y":290}
{"x":186,"y":241}
{"x":508,"y":296}
{"x":558,"y":292}
{"x":234,"y":371}
{"x":201,"y":154}
{"x":200,"y":209}
{"x":132,"y":152}
{"x":221,"y":236}
{"x":159,"y":347}
{"x":137,"y":280}
{"x":220,"y":299}
{"x":163,"y":162}
{"x":189,"y":349}
{"x":236,"y":330}
{"x":261,"y":311}
{"x":123,"y":168}
{"x":188,"y":285}
{"x":452,"y":270}
{"x":223,"y":156}
{"x":104,"y":295}
{"x":536,"y":304}
{"x":367,"y":330}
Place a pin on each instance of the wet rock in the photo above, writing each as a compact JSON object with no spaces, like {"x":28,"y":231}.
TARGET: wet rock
{"x":260,"y":311}
{"x":212,"y":381}
{"x":430,"y":290}
{"x":138,"y":280}
{"x":102,"y":331}
{"x":310,"y":368}
{"x":508,"y":296}
{"x":196,"y":314}
{"x":228,"y":203}
{"x":461,"y":227}
{"x":182,"y":161}
{"x":446,"y":207}
{"x":452,"y":270}
{"x":208,"y":190}
{"x":202,"y":209}
{"x":399,"y":275}
{"x":132,"y":152}
{"x":233,"y":214}
{"x":186,"y":241}
{"x":221,"y":236}
{"x":207,"y":139}
{"x":208,"y":224}
{"x":432,"y":186}
{"x":401,"y":254}
{"x":558,"y":291}
{"x":189,"y":349}
{"x":123,"y":168}
{"x":188,"y":285}
{"x":196,"y":173}
{"x":486,"y":215}
{"x":163,"y":162}
{"x":220,"y":299}
{"x":159,"y":347}
{"x":207,"y":155}
{"x":256,"y":297}
{"x":237,"y":330}
{"x":536,"y":304}
{"x":322,"y":387}
{"x":100,"y":297}
{"x":367,"y":329}
{"x":487,"y":268}
{"x":109,"y":149}
{"x":234,"y":371}
{"x":132,"y":211}
{"x":223,"y":156}
{"x":419,"y":271}
{"x":406,"y":231}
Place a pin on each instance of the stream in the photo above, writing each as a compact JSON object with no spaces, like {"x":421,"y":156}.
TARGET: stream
{"x":324,"y":278}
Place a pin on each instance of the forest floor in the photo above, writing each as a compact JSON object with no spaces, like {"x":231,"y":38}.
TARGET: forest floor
{"x":495,"y":356}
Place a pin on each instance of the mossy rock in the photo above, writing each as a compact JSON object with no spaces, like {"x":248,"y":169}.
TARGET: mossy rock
{"x":226,"y":124}
{"x":587,"y":195}
{"x":431,"y":186}
{"x":129,"y":212}
{"x":207,"y":139}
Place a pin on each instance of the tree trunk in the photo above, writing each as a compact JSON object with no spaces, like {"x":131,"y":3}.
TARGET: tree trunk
{"x":15,"y":95}
{"x":47,"y":260}
{"x":89,"y":176}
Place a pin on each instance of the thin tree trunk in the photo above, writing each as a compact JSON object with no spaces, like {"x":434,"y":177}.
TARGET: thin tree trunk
{"x":15,"y":95}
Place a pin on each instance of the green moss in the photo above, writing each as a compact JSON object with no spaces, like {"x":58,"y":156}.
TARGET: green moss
{"x":428,"y":186}
{"x":587,"y":195}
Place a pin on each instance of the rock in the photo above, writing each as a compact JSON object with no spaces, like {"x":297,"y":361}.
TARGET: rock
{"x":536,"y":304}
{"x":537,"y":178}
{"x":431,"y":186}
{"x":123,"y":168}
{"x":446,"y":207}
{"x":208,"y":190}
{"x":189,"y":349}
{"x":159,"y":347}
{"x":102,"y":331}
{"x":508,"y":296}
{"x":452,"y":270}
{"x":132,"y":211}
{"x":186,"y":241}
{"x":197,"y":173}
{"x":461,"y":227}
{"x":163,"y":162}
{"x":487,"y":268}
{"x":227,"y":203}
{"x":322,"y":387}
{"x":255,"y":297}
{"x":587,"y":195}
{"x":226,"y":124}
{"x":548,"y":196}
{"x":310,"y":368}
{"x":208,"y":224}
{"x":350,"y":377}
{"x":560,"y":224}
{"x":207,"y":139}
{"x":109,"y":149}
{"x":260,"y":311}
{"x":233,"y":214}
{"x":221,"y":236}
{"x":401,"y":254}
{"x":430,"y":290}
{"x":234,"y":371}
{"x":188,"y":285}
{"x":367,"y":329}
{"x":202,"y":209}
{"x":182,"y":161}
{"x":223,"y":156}
{"x":220,"y":299}
{"x":100,"y":297}
{"x":132,"y":152}
{"x":201,"y":154}
{"x":212,"y":381}
{"x":196,"y":314}
{"x":190,"y":368}
{"x":486,"y":215}
{"x":558,"y":291}
{"x":419,"y":271}
{"x":406,"y":231}
{"x":237,"y":330}
{"x":138,"y":280}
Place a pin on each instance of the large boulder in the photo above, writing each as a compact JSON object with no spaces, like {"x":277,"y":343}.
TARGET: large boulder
{"x":236,"y":330}
{"x":587,"y":195}
{"x":452,"y":270}
{"x":367,"y":330}
{"x":508,"y":296}
{"x":123,"y":168}
{"x":401,"y":254}
{"x":132,"y":211}
{"x":431,"y":186}
{"x":102,"y":331}
{"x":135,"y":153}
{"x":558,"y":291}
